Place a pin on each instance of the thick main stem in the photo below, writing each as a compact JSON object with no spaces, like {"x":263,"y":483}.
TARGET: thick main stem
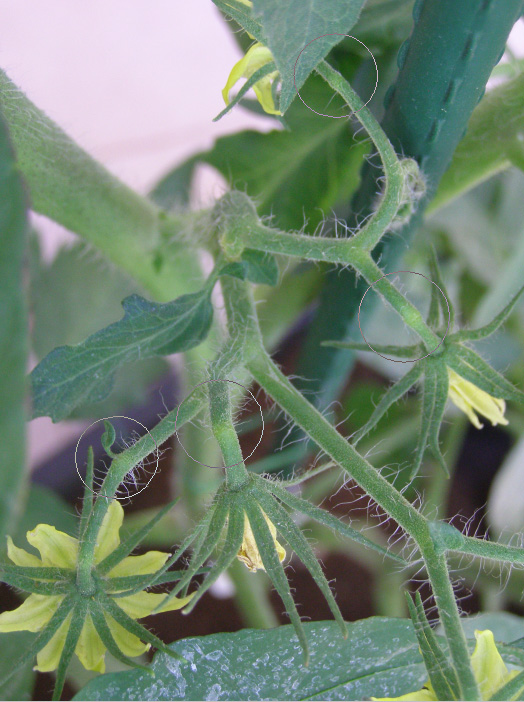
{"x":225,"y":433}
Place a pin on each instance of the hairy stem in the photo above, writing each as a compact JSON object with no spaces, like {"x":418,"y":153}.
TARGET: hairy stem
{"x":120,"y":467}
{"x":316,"y":426}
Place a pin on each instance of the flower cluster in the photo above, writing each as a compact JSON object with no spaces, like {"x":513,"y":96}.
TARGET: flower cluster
{"x":454,"y":371}
{"x":70,"y":622}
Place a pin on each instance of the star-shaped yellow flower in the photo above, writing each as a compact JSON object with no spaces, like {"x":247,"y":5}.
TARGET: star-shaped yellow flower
{"x":488,"y":667}
{"x":256,"y":57}
{"x":59,"y":550}
{"x":472,"y":401}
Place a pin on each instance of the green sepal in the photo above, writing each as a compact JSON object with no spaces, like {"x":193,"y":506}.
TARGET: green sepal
{"x":73,"y":634}
{"x":434,"y":397}
{"x":255,"y":266}
{"x":326,"y":518}
{"x":441,"y":396}
{"x":232,"y":544}
{"x":257,"y":75}
{"x":274,"y":569}
{"x":512,"y":690}
{"x":39,"y":573}
{"x":491,"y":327}
{"x":385,"y":350}
{"x":21,"y":582}
{"x":87,"y":503}
{"x":474,"y":368}
{"x":205,"y":545}
{"x":103,"y":630}
{"x":243,"y":16}
{"x":135,"y":628}
{"x":73,"y":375}
{"x":108,"y":438}
{"x":441,"y":673}
{"x":299,"y":544}
{"x":395,"y":392}
{"x":439,"y":316}
{"x":132,"y":541}
{"x":42,"y":639}
{"x":142,"y":582}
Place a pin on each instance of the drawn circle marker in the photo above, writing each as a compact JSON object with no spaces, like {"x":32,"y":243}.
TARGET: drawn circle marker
{"x":335,"y":34}
{"x":395,"y":360}
{"x":109,"y":497}
{"x":219,"y":380}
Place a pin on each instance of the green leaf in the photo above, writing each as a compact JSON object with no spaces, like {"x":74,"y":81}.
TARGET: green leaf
{"x":71,"y":375}
{"x":487,"y":149}
{"x":13,"y":335}
{"x":20,"y":686}
{"x":379,"y":658}
{"x":297,"y":175}
{"x":289,"y":26}
{"x":256,"y":266}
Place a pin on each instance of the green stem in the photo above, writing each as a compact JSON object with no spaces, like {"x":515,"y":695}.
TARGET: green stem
{"x":120,"y":467}
{"x":251,"y":597}
{"x":311,"y":421}
{"x":371,"y":233}
{"x":490,"y":549}
{"x":225,"y":434}
{"x":437,"y":570}
{"x":373,"y":275}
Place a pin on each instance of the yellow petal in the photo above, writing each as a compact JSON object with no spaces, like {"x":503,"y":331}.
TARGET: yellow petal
{"x":56,"y":548}
{"x":49,"y":657}
{"x":249,"y":554}
{"x":471,"y":399}
{"x":256,"y":57}
{"x":264,"y":94}
{"x":149,"y":562}
{"x":488,"y":667}
{"x":128,"y":643}
{"x":32,"y":615}
{"x":90,"y":649}
{"x":109,"y":537}
{"x":143,"y":603}
{"x":21,"y":557}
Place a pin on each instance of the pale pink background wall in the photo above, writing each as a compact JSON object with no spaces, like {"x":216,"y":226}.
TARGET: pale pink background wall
{"x":136,"y":84}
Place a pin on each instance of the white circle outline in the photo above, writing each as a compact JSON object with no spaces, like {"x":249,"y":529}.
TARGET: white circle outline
{"x":413,"y":360}
{"x":103,"y":419}
{"x":353,"y":112}
{"x":219,"y":380}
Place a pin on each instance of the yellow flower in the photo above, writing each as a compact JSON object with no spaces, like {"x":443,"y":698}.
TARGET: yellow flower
{"x":249,"y":554}
{"x":59,"y":550}
{"x":256,"y":57}
{"x":471,"y":399}
{"x":488,"y":667}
